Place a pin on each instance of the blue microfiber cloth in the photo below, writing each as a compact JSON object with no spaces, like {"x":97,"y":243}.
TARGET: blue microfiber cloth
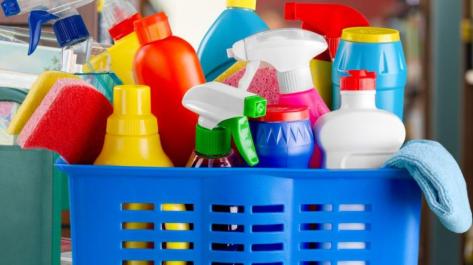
{"x":441,"y":180}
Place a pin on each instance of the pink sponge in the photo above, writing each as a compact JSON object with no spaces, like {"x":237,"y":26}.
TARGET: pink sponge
{"x":70,"y":121}
{"x":265,"y":83}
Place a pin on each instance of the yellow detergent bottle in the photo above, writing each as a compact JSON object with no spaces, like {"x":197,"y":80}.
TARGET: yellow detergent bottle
{"x":132,"y":140}
{"x":38,"y":91}
{"x":119,"y":16}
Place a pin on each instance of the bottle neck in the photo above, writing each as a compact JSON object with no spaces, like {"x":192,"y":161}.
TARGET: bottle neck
{"x":295,"y":81}
{"x":358,"y":99}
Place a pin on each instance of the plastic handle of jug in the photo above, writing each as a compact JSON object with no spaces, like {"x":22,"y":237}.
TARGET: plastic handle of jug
{"x":36,"y":21}
{"x":241,"y":134}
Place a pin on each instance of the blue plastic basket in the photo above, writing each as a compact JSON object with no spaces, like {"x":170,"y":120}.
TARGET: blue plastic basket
{"x":290,"y":217}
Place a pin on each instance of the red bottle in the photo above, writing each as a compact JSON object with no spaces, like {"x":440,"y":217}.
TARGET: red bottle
{"x":169,"y":65}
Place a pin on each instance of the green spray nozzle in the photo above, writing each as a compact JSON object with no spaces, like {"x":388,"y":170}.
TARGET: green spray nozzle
{"x":223,"y":114}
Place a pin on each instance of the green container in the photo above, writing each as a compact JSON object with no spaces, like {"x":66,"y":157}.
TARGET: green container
{"x":30,"y":202}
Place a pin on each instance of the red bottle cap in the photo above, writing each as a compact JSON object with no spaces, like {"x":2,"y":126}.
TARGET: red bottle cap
{"x":282,"y":113}
{"x":153,"y":28}
{"x":328,"y":20}
{"x":124,"y":28}
{"x":358,"y":80}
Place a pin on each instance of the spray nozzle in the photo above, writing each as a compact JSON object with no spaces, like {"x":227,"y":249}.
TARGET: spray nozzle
{"x":36,"y":21}
{"x":326,"y":19}
{"x":222,"y":107}
{"x":289,"y":51}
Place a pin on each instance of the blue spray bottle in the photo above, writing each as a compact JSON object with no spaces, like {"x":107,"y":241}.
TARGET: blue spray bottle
{"x":237,"y":22}
{"x":69,"y":27}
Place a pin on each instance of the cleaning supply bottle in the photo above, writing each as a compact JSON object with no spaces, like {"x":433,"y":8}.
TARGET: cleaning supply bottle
{"x":71,"y":32}
{"x":289,"y":51}
{"x":223,"y":114}
{"x":119,"y":17}
{"x":358,"y":135}
{"x":169,"y":65}
{"x":379,"y":50}
{"x":284,"y":137}
{"x":327,"y":20}
{"x":132,"y":140}
{"x":237,"y":22}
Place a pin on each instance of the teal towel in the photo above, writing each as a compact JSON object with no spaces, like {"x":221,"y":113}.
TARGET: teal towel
{"x":441,"y":180}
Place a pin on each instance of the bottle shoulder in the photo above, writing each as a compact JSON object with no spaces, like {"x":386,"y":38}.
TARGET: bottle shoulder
{"x":360,"y":129}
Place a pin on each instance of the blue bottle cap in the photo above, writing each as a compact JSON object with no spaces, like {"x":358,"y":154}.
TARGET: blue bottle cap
{"x":11,"y":8}
{"x":70,"y":30}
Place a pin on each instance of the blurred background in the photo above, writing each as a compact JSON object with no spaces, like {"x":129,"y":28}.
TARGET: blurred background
{"x":438,"y":39}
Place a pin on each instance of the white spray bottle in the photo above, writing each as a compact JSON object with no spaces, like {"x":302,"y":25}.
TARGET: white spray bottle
{"x":289,"y":51}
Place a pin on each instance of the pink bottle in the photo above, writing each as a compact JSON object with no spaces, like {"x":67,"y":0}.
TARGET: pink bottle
{"x":290,"y":52}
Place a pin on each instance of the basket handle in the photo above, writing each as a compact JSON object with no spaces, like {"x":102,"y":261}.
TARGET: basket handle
{"x":8,"y":94}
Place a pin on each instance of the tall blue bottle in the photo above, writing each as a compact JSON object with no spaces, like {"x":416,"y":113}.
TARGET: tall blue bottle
{"x":237,"y":22}
{"x":376,"y":50}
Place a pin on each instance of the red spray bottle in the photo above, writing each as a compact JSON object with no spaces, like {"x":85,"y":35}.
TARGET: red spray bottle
{"x":169,"y":65}
{"x":328,"y":20}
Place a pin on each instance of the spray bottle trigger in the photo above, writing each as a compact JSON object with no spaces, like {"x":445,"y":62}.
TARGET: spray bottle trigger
{"x":241,"y":134}
{"x":36,"y":20}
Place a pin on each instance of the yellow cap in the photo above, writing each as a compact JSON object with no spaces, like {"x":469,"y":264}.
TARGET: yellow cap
{"x":370,"y":35}
{"x":248,"y":4}
{"x":132,"y":112}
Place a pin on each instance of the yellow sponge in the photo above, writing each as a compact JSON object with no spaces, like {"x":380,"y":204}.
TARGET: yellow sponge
{"x":38,"y":91}
{"x":235,"y":68}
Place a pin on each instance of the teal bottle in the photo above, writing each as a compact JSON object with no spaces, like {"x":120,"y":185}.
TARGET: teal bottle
{"x":237,"y":22}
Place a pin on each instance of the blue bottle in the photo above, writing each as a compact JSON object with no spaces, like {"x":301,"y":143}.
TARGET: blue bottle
{"x":378,"y":50}
{"x":237,"y":22}
{"x":284,"y":137}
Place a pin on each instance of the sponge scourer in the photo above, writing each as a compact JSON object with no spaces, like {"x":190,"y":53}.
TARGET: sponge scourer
{"x":71,"y":121}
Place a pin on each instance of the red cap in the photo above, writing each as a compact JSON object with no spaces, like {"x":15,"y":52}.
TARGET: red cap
{"x":282,"y":113}
{"x":358,"y":80}
{"x":124,"y":28}
{"x":328,"y":20}
{"x":153,"y":28}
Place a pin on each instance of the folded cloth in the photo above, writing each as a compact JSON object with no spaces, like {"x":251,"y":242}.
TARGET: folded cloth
{"x":441,"y":180}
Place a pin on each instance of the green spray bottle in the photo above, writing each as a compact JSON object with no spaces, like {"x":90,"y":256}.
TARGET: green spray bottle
{"x":223,"y":114}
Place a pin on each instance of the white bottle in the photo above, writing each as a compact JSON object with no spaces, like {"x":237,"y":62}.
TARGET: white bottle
{"x":358,"y":135}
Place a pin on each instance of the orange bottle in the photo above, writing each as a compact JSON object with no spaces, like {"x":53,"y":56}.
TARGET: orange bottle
{"x":170,"y":66}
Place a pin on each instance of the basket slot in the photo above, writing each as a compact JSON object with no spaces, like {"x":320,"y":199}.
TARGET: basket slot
{"x":354,"y":208}
{"x":268,"y":263}
{"x":233,"y":209}
{"x":229,"y":228}
{"x":267,"y":247}
{"x":316,"y":227}
{"x":172,"y":262}
{"x":177,"y":207}
{"x":188,"y":245}
{"x":138,"y":206}
{"x":317,"y":207}
{"x":138,"y":244}
{"x":354,"y":262}
{"x":137,"y":226}
{"x":138,"y":262}
{"x":316,"y":245}
{"x":228,"y":247}
{"x":336,"y":218}
{"x":352,"y":245}
{"x":177,"y":226}
{"x":277,"y":208}
{"x":354,"y":227}
{"x":268,"y":228}
{"x":316,"y":263}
